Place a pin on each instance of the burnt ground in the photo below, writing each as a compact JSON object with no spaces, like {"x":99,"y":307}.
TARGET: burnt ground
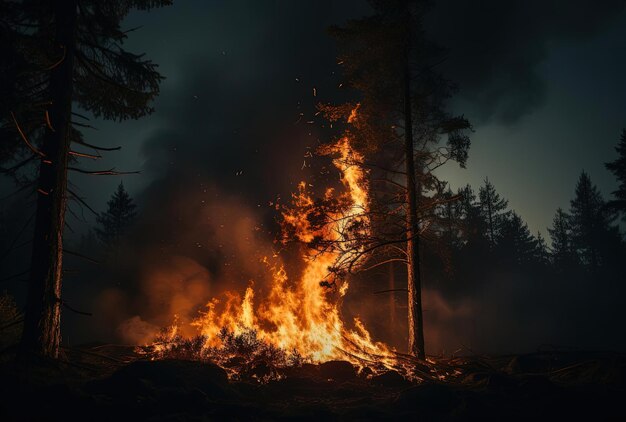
{"x":110,"y":382}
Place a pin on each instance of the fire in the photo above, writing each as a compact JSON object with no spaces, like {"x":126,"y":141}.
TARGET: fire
{"x":302,"y":316}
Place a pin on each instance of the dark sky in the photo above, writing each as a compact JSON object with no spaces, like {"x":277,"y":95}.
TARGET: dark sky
{"x":542,"y":82}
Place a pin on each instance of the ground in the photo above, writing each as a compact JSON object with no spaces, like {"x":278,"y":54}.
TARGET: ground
{"x":108,"y":382}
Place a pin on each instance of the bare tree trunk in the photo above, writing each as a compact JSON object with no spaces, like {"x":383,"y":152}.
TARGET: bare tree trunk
{"x":414,"y":279}
{"x":41,"y":336}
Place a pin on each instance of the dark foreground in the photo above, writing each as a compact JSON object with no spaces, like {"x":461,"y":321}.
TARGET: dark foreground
{"x":109,"y":383}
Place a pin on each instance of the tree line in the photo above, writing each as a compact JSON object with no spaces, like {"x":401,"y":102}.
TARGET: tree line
{"x":480,"y":230}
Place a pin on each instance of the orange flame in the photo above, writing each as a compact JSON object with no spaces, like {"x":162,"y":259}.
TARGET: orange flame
{"x":300,"y":315}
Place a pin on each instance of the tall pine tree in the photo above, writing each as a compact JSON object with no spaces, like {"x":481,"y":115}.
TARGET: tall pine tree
{"x":493,"y":209}
{"x":618,"y":168}
{"x":473,"y":225}
{"x":77,"y":59}
{"x":590,"y":222}
{"x":562,"y":252}
{"x":401,"y":117}
{"x":542,"y":256}
{"x":516,"y":245}
{"x":116,"y":220}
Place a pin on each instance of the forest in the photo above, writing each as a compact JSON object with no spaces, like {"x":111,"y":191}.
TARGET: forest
{"x":217,"y":243}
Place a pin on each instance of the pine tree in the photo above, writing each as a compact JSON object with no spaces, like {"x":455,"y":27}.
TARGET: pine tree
{"x":590,"y":223}
{"x":449,"y":222}
{"x":618,"y":168}
{"x":493,"y":209}
{"x":541,"y":255}
{"x":562,"y":253}
{"x":474,"y":227}
{"x":516,"y":245}
{"x":76,"y":50}
{"x":401,"y":117}
{"x":115,"y":222}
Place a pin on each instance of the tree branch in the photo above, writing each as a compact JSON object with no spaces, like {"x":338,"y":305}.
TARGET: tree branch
{"x":109,"y":172}
{"x":24,"y":138}
{"x":16,"y":167}
{"x":17,"y":237}
{"x":79,"y":199}
{"x":85,"y":155}
{"x":64,"y":303}
{"x":97,"y":148}
{"x":390,"y":290}
{"x":86,"y":258}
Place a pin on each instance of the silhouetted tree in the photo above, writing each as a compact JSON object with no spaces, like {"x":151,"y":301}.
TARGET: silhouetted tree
{"x":76,"y":47}
{"x":618,"y":168}
{"x":516,"y":245}
{"x":493,"y":209}
{"x":450,"y":218}
{"x":474,"y":227}
{"x":115,"y":221}
{"x":541,"y":256}
{"x":590,"y":223}
{"x":562,"y":253}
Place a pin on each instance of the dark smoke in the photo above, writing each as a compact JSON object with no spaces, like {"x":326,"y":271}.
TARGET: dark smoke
{"x":495,"y":47}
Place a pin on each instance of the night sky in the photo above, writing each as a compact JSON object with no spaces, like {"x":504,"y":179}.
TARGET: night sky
{"x":543,"y":86}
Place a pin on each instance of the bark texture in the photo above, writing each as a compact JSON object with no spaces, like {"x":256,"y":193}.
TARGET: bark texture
{"x":41,"y":336}
{"x":414,"y":281}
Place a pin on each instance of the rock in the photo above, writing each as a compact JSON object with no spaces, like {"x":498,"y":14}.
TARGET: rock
{"x":391,"y":379}
{"x":537,"y":386}
{"x":306,"y":370}
{"x":526,"y":364}
{"x":337,"y":370}
{"x":148,"y":378}
{"x":428,"y":399}
{"x":290,"y":386}
{"x":475,"y":378}
{"x":501,"y":383}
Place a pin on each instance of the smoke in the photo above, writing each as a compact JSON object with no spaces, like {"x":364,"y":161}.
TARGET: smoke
{"x":186,"y":250}
{"x":496,"y":48}
{"x":135,"y":330}
{"x":514,"y":314}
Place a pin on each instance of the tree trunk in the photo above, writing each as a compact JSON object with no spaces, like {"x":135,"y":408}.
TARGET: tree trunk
{"x":414,"y":279}
{"x":41,"y":334}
